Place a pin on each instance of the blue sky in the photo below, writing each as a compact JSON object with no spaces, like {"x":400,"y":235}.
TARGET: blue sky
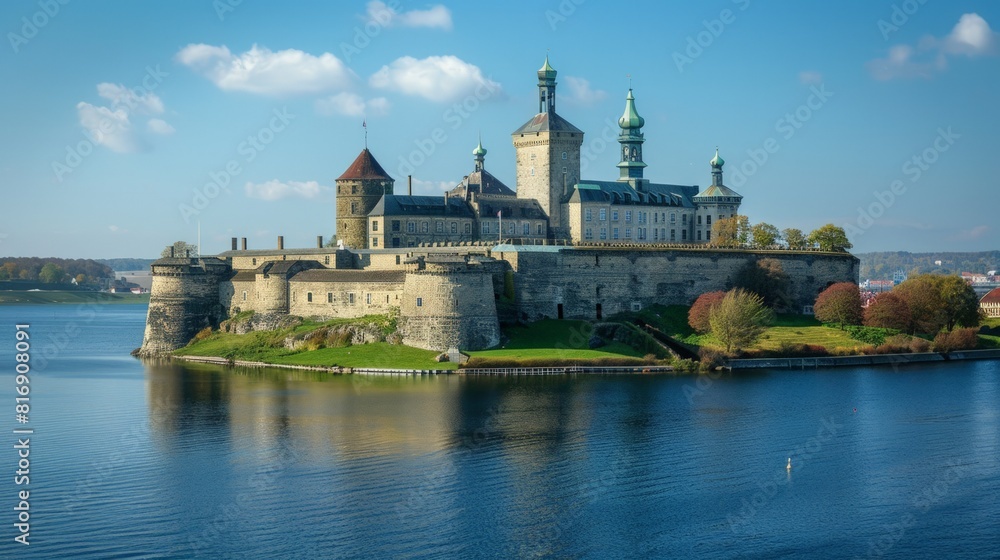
{"x":123,"y":119}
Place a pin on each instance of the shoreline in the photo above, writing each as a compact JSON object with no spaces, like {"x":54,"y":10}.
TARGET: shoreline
{"x":892,"y":360}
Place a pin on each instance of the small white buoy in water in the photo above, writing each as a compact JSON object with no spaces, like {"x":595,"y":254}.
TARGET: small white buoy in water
{"x":789,"y":465}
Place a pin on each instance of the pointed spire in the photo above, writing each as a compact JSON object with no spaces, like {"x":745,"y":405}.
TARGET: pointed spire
{"x":717,"y":161}
{"x":480,"y":153}
{"x":547,"y":72}
{"x":631,"y":118}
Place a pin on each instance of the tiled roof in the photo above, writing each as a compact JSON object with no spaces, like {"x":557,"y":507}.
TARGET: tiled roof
{"x":621,"y":192}
{"x":365,"y":167}
{"x":992,"y":297}
{"x":547,"y":122}
{"x":400,"y":205}
{"x":341,"y":275}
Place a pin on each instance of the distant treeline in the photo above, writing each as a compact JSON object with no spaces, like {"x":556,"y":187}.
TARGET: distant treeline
{"x":883,"y":265}
{"x":51,"y":270}
{"x":121,"y":265}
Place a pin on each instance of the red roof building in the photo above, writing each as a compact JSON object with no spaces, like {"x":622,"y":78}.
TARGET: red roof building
{"x":990,"y":304}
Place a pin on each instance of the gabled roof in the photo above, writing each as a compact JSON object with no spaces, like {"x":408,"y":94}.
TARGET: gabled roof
{"x":621,"y":192}
{"x":993,"y":296}
{"x":365,"y":167}
{"x":400,"y":205}
{"x":481,"y":182}
{"x":547,"y":122}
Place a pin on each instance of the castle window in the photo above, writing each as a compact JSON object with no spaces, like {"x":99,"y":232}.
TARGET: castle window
{"x":255,"y":262}
{"x":420,"y":302}
{"x":350,"y":298}
{"x":684,"y":235}
{"x":368,"y":299}
{"x":244,"y":295}
{"x":397,"y":259}
{"x":374,"y":225}
{"x":354,"y":208}
{"x":673,"y":235}
{"x":539,"y":229}
{"x":603,"y":214}
{"x":454,"y":227}
{"x":588,"y":233}
{"x":588,"y":215}
{"x":614,"y":233}
{"x":411,"y":227}
{"x":326,"y":259}
{"x":374,"y":241}
{"x":708,"y":219}
{"x":424,"y":227}
{"x":512,"y":228}
{"x":354,"y":189}
{"x":628,"y":233}
{"x":656,"y":234}
{"x":656,"y":218}
{"x":673,"y":218}
{"x":708,"y":236}
{"x":628,"y":214}
{"x":532,"y":171}
{"x":685,"y":219}
{"x":526,"y":229}
{"x":564,"y":155}
{"x":395,"y":225}
{"x":329,"y":297}
{"x":309,"y":297}
{"x":439,"y":227}
{"x":614,"y":215}
{"x":699,"y":220}
{"x":486,"y":227}
{"x":604,"y":233}
{"x":468,"y":228}
{"x":699,"y":235}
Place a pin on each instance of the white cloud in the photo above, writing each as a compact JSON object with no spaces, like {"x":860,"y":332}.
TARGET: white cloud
{"x":109,"y":127}
{"x":352,"y":105}
{"x":159,"y":126}
{"x":140,"y":101}
{"x":437,"y":78}
{"x":266,"y":72}
{"x":435,"y":16}
{"x":810,"y":77}
{"x":114,"y":229}
{"x":276,"y":190}
{"x":971,"y":36}
{"x":580,"y":92}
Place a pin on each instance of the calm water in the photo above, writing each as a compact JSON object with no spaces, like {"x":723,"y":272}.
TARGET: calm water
{"x":164,"y":461}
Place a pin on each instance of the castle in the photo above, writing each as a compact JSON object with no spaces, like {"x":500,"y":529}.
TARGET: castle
{"x":569,"y":248}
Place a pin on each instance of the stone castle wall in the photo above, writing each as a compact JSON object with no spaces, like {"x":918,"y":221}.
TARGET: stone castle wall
{"x":184,"y":299}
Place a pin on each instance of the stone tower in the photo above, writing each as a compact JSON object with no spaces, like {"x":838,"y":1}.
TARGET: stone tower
{"x":358,"y":191}
{"x":716,"y":202}
{"x":631,"y":165}
{"x":548,"y":156}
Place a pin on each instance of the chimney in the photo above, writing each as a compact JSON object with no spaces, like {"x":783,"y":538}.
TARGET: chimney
{"x":319,"y":241}
{"x":234,"y":244}
{"x":171,"y":251}
{"x":244,"y":243}
{"x":281,"y":242}
{"x":187,"y":253}
{"x":409,"y":185}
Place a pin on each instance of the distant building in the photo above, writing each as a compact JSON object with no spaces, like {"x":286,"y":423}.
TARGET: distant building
{"x":990,"y":304}
{"x":899,"y":276}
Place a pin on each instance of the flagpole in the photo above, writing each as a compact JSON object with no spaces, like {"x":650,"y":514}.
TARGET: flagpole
{"x":500,"y":223}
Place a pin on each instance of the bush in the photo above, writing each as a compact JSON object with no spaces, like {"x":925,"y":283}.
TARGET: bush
{"x":840,"y":304}
{"x":701,"y":310}
{"x":711,"y":359}
{"x":888,"y":311}
{"x":874,"y":336}
{"x":919,"y":345}
{"x":203,"y":334}
{"x":958,"y":339}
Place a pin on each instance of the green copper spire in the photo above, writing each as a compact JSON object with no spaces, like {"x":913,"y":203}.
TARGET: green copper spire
{"x":546,"y":72}
{"x":480,"y":150}
{"x":480,"y":155}
{"x":717,"y":161}
{"x":631,"y":118}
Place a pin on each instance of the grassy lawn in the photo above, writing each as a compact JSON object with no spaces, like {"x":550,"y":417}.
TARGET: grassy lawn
{"x":16,"y":297}
{"x":267,"y":347}
{"x":555,"y":339}
{"x":988,"y":341}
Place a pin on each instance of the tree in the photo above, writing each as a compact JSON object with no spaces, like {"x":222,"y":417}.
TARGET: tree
{"x":181,"y":250}
{"x":700,"y":313}
{"x":81,"y":278}
{"x":840,"y":304}
{"x":4,"y":275}
{"x":889,"y":311}
{"x":739,"y":319}
{"x":764,"y":235}
{"x":961,"y":304}
{"x":730,"y":232}
{"x":830,"y":238}
{"x":922,"y":296}
{"x":767,"y":279}
{"x":794,"y":238}
{"x":51,"y":273}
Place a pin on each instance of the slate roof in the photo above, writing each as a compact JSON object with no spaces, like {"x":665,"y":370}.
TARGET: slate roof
{"x":401,"y":205}
{"x":341,"y":275}
{"x":621,"y":192}
{"x":365,"y":167}
{"x":547,"y":122}
{"x":481,"y":182}
{"x":510,"y":208}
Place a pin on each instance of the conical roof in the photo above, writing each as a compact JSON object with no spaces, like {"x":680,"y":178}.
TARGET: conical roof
{"x":365,"y":167}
